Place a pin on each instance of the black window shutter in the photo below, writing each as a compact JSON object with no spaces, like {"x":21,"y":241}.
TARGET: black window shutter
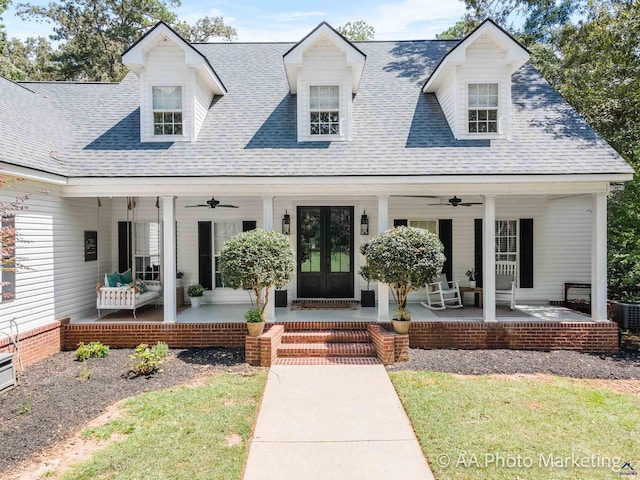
{"x":477,"y":234}
{"x":205,"y":272}
{"x":526,"y":253}
{"x":445,"y":232}
{"x":124,"y":246}
{"x":400,"y":222}
{"x":248,"y":225}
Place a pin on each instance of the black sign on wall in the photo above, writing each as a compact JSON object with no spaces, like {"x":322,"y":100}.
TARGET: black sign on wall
{"x":90,"y":245}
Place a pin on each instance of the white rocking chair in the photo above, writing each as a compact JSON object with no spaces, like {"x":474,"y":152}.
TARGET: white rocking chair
{"x":506,"y":282}
{"x":442,"y":292}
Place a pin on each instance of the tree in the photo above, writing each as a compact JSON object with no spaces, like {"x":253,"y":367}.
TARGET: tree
{"x":33,"y":58}
{"x":257,"y":260}
{"x":461,"y":29}
{"x":357,"y":31}
{"x":93,"y":34}
{"x":406,"y":258}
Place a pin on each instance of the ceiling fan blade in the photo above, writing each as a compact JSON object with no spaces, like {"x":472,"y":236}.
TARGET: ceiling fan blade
{"x":194,"y":206}
{"x":468,"y":204}
{"x":227,"y":206}
{"x":415,"y":196}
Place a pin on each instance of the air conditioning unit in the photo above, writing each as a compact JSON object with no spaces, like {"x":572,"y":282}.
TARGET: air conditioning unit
{"x":7,"y":372}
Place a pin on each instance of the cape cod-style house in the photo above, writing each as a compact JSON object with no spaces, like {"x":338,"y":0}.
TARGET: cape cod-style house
{"x":327,"y":140}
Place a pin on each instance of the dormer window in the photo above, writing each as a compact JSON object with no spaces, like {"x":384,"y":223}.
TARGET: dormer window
{"x":167,"y":110}
{"x":483,"y":108}
{"x":324,"y":110}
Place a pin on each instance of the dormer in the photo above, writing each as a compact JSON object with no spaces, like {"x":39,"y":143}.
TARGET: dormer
{"x":324,"y":71}
{"x":473,"y":83}
{"x":177,"y":85}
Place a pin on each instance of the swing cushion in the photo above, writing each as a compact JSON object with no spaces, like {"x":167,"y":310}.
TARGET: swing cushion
{"x":112,"y":279}
{"x":126,"y":277}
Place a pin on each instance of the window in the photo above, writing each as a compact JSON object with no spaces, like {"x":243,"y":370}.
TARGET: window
{"x":147,"y":250}
{"x":8,"y":287}
{"x":167,"y":110}
{"x":428,"y":225}
{"x":324,"y":110}
{"x":507,"y":240}
{"x":221,"y":233}
{"x":483,"y":108}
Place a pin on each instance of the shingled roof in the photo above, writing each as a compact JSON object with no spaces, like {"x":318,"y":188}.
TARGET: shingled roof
{"x":251,"y":131}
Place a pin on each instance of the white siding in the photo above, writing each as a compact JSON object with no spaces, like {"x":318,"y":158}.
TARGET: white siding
{"x":324,"y":64}
{"x":484,"y":64}
{"x":202,"y":102}
{"x":58,"y":282}
{"x":166,"y":67}
{"x":447,"y":98}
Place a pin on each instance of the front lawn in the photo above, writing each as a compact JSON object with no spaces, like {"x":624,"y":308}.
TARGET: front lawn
{"x":530,"y":428}
{"x":189,"y":433}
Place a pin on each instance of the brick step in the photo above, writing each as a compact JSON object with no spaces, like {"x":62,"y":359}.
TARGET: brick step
{"x":326,"y":350}
{"x":327,"y":336}
{"x":327,"y":361}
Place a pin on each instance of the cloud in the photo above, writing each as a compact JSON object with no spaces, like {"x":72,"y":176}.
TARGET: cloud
{"x":295,"y":16}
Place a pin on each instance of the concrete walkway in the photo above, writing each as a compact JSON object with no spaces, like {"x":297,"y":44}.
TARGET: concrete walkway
{"x":333,"y":422}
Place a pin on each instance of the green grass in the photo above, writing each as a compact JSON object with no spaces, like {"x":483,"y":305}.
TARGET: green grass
{"x":491,"y":428}
{"x":179,"y":433}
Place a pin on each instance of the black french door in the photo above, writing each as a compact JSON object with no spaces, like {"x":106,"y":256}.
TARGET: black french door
{"x":325,"y":252}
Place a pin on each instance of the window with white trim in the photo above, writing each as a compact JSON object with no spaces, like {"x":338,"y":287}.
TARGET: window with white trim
{"x":167,"y":110}
{"x":428,"y":225}
{"x":221,"y":233}
{"x":507,"y":240}
{"x":324,"y":110}
{"x":483,"y":107}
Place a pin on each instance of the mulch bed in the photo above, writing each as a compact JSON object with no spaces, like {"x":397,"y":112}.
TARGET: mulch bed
{"x":51,"y":401}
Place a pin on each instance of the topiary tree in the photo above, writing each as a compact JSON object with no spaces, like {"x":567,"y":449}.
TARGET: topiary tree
{"x":257,"y":260}
{"x":406,"y":258}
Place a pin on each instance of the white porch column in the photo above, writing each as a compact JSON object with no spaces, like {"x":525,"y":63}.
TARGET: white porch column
{"x":489,"y":259}
{"x":169,"y":257}
{"x":383,"y":288}
{"x":599,"y":257}
{"x":268,"y":224}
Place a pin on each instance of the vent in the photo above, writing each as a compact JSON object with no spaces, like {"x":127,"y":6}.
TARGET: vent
{"x":7,"y":372}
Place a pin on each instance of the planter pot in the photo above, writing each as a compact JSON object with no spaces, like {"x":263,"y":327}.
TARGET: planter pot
{"x":255,"y":328}
{"x":472,"y":283}
{"x":281,"y":298}
{"x":196,"y":302}
{"x":627,"y":315}
{"x":368,"y":298}
{"x":401,"y":326}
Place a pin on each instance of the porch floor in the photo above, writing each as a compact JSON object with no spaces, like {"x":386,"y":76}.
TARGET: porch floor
{"x":231,"y":313}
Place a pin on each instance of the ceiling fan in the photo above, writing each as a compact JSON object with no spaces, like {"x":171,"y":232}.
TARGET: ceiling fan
{"x":213,"y":203}
{"x":454,"y":202}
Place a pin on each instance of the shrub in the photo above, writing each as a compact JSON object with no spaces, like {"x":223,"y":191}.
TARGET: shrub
{"x":196,"y":290}
{"x":257,"y":260}
{"x":406,"y":258}
{"x":91,"y":350}
{"x":253,"y":316}
{"x":147,"y":361}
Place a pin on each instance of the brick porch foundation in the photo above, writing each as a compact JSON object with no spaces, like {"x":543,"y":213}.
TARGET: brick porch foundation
{"x":39,"y":343}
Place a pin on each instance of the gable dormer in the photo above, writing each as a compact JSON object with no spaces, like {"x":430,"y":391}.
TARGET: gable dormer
{"x":177,"y":85}
{"x":324,"y":71}
{"x":473,"y":83}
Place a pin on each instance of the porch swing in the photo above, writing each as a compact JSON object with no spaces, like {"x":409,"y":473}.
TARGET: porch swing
{"x":124,"y":291}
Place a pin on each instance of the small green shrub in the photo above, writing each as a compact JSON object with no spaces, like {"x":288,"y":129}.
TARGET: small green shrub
{"x":147,"y":361}
{"x":253,"y":316}
{"x":196,"y":290}
{"x":92,"y":349}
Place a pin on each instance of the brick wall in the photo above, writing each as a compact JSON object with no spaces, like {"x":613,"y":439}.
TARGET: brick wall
{"x":176,"y":335}
{"x":578,"y":336}
{"x":37,"y":343}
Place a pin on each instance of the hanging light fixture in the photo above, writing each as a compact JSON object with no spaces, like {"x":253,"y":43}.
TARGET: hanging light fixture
{"x":364,"y":224}
{"x":286,"y":223}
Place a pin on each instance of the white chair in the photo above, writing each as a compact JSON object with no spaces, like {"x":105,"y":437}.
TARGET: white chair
{"x":442,"y":292}
{"x":506,"y":282}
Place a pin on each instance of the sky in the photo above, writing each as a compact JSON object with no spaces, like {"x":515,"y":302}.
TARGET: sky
{"x":288,"y":20}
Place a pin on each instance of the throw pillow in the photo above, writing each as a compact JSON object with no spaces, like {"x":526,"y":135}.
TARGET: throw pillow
{"x":142,"y":287}
{"x":125,"y":277}
{"x":113,"y":279}
{"x":503,"y":282}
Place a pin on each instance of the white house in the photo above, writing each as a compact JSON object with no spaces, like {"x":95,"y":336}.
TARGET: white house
{"x":326,"y":134}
